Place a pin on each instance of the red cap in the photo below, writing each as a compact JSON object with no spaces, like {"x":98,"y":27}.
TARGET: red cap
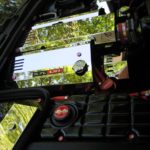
{"x":61,"y":112}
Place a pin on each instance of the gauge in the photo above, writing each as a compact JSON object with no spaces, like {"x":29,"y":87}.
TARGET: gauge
{"x":80,"y":67}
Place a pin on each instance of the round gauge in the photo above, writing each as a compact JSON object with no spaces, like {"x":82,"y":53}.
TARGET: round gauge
{"x":80,"y":67}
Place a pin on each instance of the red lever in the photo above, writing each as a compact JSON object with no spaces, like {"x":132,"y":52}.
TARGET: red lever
{"x":59,"y":98}
{"x":61,"y":112}
{"x":103,"y":81}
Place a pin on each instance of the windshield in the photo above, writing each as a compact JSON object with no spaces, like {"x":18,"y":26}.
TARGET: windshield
{"x":8,"y":8}
{"x":62,"y":45}
{"x":67,"y":32}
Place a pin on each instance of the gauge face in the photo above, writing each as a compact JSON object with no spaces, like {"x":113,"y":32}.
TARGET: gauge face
{"x":80,"y":67}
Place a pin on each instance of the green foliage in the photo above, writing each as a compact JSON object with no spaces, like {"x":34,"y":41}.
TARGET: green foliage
{"x":13,"y":124}
{"x":66,"y":77}
{"x":8,"y":8}
{"x":116,"y":67}
{"x":4,"y":108}
{"x":66,"y":34}
{"x":123,"y":9}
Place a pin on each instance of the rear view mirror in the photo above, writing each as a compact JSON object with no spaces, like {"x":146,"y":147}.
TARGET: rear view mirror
{"x":17,"y":108}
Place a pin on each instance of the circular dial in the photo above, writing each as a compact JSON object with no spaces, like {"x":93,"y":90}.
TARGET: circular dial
{"x":80,"y":67}
{"x":64,"y":115}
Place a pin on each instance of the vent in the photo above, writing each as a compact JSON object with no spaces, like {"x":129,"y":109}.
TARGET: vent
{"x":19,"y":64}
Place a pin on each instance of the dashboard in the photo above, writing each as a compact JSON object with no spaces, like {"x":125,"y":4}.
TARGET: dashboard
{"x":60,"y":52}
{"x":91,"y":61}
{"x":54,"y":67}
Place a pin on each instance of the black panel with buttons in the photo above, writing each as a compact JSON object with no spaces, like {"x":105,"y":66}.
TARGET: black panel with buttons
{"x":102,"y":116}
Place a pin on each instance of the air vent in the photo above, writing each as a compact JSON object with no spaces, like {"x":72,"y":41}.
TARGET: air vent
{"x":19,"y":64}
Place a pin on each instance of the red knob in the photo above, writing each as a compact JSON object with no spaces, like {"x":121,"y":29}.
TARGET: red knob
{"x":61,"y":112}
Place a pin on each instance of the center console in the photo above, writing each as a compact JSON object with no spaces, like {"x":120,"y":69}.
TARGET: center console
{"x":105,"y":116}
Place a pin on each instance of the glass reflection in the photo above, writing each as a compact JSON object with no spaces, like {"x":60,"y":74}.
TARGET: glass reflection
{"x":13,"y":120}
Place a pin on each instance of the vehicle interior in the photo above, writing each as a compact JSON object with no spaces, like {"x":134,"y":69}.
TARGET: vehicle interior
{"x":74,"y":74}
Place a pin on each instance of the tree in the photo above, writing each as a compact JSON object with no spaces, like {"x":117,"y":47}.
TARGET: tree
{"x":8,"y":8}
{"x":13,"y":124}
{"x":66,"y":34}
